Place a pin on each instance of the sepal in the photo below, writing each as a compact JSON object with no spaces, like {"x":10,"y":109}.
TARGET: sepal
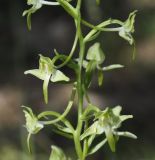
{"x":95,"y":53}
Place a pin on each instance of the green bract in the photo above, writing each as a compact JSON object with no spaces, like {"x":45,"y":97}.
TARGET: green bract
{"x":47,"y":72}
{"x":128,"y":28}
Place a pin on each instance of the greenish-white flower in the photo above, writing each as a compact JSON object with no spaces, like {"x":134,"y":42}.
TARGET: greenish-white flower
{"x":47,"y":72}
{"x":36,"y":5}
{"x":127,"y":29}
{"x":32,"y":125}
{"x":95,"y":58}
{"x":108,"y":122}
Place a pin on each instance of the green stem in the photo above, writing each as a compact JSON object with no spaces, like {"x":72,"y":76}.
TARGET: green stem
{"x":80,"y":105}
{"x":85,"y":143}
{"x":78,"y":130}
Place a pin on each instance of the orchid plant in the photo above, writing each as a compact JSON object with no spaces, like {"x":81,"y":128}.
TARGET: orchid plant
{"x":92,"y":122}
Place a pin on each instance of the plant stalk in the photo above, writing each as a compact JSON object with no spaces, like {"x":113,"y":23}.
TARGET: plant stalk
{"x":78,"y":130}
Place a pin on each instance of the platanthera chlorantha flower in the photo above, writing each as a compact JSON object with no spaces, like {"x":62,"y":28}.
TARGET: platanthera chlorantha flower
{"x":36,"y":5}
{"x":108,"y":122}
{"x":128,"y":28}
{"x":95,"y":57}
{"x":47,"y":72}
{"x":33,"y":126}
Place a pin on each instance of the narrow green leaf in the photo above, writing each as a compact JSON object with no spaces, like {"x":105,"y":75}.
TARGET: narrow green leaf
{"x":95,"y":129}
{"x":97,"y":147}
{"x":91,"y":139}
{"x":90,"y":131}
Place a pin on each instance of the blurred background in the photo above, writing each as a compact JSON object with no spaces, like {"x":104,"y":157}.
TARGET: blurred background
{"x":132,"y":87}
